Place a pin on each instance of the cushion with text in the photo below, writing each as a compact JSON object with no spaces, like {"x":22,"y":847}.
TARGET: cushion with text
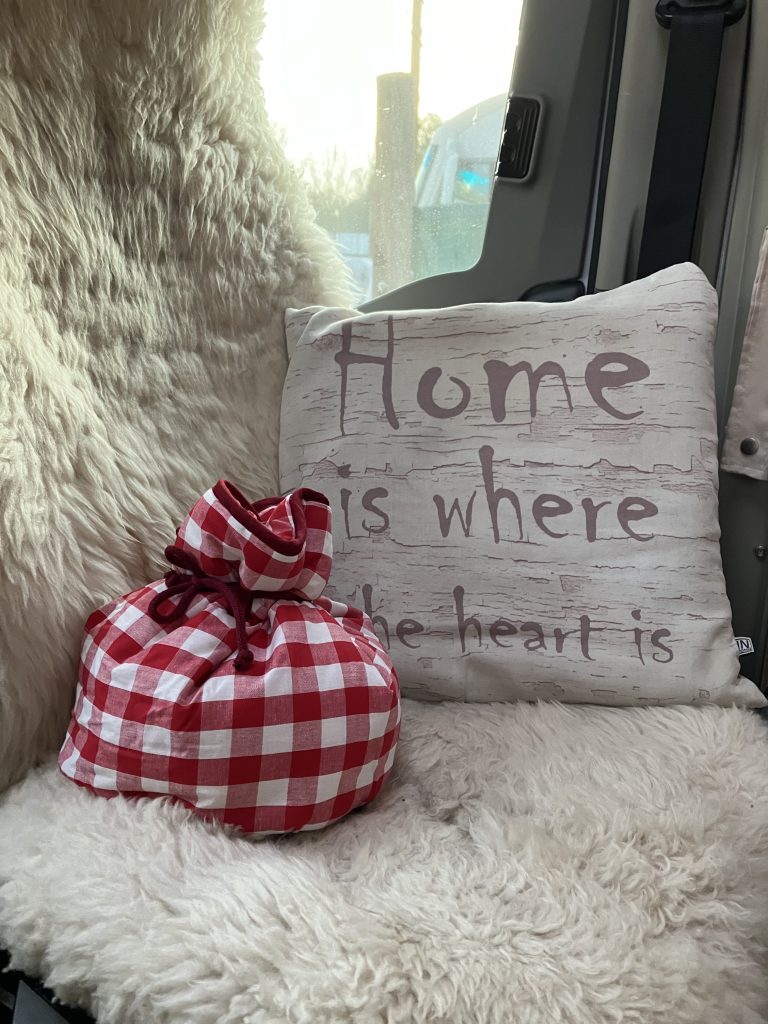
{"x":525,"y":494}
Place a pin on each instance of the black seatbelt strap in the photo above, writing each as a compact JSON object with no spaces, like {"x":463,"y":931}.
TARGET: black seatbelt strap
{"x":687,"y":100}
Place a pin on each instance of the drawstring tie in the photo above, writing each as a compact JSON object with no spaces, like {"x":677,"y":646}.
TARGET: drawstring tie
{"x":187,"y":587}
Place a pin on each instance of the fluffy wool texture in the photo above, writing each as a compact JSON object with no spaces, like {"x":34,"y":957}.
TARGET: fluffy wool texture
{"x":151,"y":236}
{"x":527,"y":863}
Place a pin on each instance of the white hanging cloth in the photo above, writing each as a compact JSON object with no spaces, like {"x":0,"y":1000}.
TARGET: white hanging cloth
{"x":746,"y":434}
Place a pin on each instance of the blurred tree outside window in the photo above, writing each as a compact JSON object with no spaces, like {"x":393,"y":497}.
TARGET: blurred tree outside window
{"x":392,"y":113}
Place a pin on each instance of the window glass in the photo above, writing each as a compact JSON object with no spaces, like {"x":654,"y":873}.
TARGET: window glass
{"x":391,"y":110}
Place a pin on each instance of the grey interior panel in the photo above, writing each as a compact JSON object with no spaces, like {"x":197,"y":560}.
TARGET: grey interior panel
{"x":744,"y":502}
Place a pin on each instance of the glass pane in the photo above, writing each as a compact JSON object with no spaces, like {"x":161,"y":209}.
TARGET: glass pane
{"x":392,"y":112}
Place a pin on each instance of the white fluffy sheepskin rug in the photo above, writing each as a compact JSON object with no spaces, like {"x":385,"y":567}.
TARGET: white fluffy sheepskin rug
{"x":151,"y":236}
{"x":528,"y":865}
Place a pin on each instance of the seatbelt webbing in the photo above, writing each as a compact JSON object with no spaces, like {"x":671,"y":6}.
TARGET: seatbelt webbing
{"x":682,"y":136}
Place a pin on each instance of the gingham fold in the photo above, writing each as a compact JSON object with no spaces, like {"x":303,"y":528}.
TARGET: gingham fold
{"x":279,"y":544}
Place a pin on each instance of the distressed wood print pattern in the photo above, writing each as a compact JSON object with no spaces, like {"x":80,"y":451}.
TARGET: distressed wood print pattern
{"x":524,"y":495}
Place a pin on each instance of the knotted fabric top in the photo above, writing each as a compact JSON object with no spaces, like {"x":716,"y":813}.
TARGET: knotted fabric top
{"x":270,"y":546}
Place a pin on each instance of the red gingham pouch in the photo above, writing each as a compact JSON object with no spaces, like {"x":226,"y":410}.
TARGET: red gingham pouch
{"x":232,"y":684}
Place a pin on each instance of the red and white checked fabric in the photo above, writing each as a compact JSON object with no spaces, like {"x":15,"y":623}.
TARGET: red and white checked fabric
{"x":233,"y":685}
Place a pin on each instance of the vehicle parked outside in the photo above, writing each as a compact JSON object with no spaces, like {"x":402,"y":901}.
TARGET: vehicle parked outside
{"x":453,"y":189}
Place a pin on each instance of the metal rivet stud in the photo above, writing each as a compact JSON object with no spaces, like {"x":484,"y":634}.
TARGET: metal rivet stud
{"x":749,"y":446}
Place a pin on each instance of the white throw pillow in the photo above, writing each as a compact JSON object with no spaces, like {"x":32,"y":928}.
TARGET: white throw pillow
{"x":525,"y":494}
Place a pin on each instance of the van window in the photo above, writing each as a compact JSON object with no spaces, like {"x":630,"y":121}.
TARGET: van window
{"x":392,"y":114}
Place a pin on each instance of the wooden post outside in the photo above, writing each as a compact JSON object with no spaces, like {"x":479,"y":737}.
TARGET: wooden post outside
{"x":393,"y":182}
{"x":416,"y":13}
